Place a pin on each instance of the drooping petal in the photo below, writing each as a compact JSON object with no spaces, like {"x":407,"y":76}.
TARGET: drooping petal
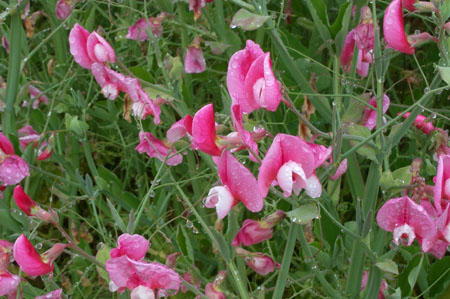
{"x":261,"y":264}
{"x":28,"y":259}
{"x":220,"y":198}
{"x":133,"y":246}
{"x":204,"y":130}
{"x":27,"y":135}
{"x":313,"y":187}
{"x":394,"y":29}
{"x":77,"y":40}
{"x":245,"y":136}
{"x":155,"y":148}
{"x":252,"y":232}
{"x":179,"y":129}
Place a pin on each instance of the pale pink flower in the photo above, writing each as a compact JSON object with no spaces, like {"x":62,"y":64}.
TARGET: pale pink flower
{"x":133,"y":246}
{"x":63,"y":9}
{"x":194,"y":62}
{"x":143,"y":106}
{"x":238,"y":184}
{"x":28,"y":135}
{"x":204,"y":131}
{"x":56,"y":294}
{"x":180,"y":129}
{"x":13,"y":168}
{"x":406,"y":220}
{"x":154,"y":147}
{"x":370,"y":115}
{"x":364,"y":37}
{"x":139,"y":30}
{"x":250,"y":79}
{"x":37,"y":96}
{"x":442,"y":182}
{"x":342,"y":168}
{"x":421,"y":123}
{"x":212,"y":289}
{"x":31,"y":208}
{"x":29,"y":259}
{"x":383,"y":287}
{"x":291,"y":162}
{"x":254,"y":232}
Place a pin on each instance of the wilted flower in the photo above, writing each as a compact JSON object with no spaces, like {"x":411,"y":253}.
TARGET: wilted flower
{"x":139,"y":31}
{"x":28,"y":135}
{"x":63,"y":9}
{"x":194,"y":62}
{"x":258,"y":262}
{"x":39,"y":97}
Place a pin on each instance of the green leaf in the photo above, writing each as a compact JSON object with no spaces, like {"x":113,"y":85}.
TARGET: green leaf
{"x":247,"y":21}
{"x":304,"y":214}
{"x":355,"y":109}
{"x":102,"y":256}
{"x":318,"y":12}
{"x":364,"y":132}
{"x":177,"y":69}
{"x":445,"y":10}
{"x":340,"y":36}
{"x":439,"y":276}
{"x":141,"y":73}
{"x":399,"y":177}
{"x":118,"y":220}
{"x":445,"y":73}
{"x":337,"y":25}
{"x":184,"y":244}
{"x":388,"y":266}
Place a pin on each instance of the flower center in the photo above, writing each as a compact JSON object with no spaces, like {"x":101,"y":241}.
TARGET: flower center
{"x":258,"y":92}
{"x":100,"y":53}
{"x":404,"y":232}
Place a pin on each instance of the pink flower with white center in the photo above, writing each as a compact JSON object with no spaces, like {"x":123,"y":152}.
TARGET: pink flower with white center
{"x":238,"y":184}
{"x":37,"y":96}
{"x":139,"y":30}
{"x":406,"y":220}
{"x":56,"y":294}
{"x":254,"y":232}
{"x":364,"y":37}
{"x":442,"y":182}
{"x":13,"y":168}
{"x":29,"y":259}
{"x":110,"y":81}
{"x":156,"y":148}
{"x":63,"y":9}
{"x":213,"y":290}
{"x":291,"y":162}
{"x":180,"y":129}
{"x":28,"y":135}
{"x":250,"y":80}
{"x":8,"y":282}
{"x":133,"y":246}
{"x":383,"y":287}
{"x":127,"y":273}
{"x":370,"y":115}
{"x":421,"y":123}
{"x":204,"y":131}
{"x":142,"y":292}
{"x":342,"y":168}
{"x":31,"y":208}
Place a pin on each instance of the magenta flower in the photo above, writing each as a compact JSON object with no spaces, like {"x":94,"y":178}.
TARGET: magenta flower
{"x":156,"y":148}
{"x":37,"y":96}
{"x":250,"y":79}
{"x":29,"y":259}
{"x":406,"y":220}
{"x":194,"y":62}
{"x":13,"y":168}
{"x":204,"y":131}
{"x":139,"y":31}
{"x":238,"y":184}
{"x":383,"y":287}
{"x":45,"y":151}
{"x":291,"y":162}
{"x":363,"y":36}
{"x":31,"y":208}
{"x":370,"y":115}
{"x":213,"y":290}
{"x":28,"y":135}
{"x":133,"y":246}
{"x":261,"y":263}
{"x":63,"y":9}
{"x":254,"y":232}
{"x":409,"y":4}
{"x":56,"y":294}
{"x":8,"y":282}
{"x":421,"y":123}
{"x":442,"y":182}
{"x":180,"y":129}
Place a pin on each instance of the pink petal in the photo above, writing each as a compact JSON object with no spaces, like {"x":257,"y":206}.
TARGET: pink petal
{"x":245,"y":136}
{"x":98,"y":49}
{"x":194,"y":62}
{"x":204,"y":131}
{"x":441,"y":179}
{"x":220,"y":198}
{"x":13,"y":169}
{"x":144,"y":106}
{"x":179,"y":129}
{"x":342,"y":168}
{"x":142,"y":292}
{"x":252,"y":232}
{"x":155,"y":148}
{"x":63,"y":9}
{"x":27,"y":135}
{"x":347,"y":51}
{"x":394,"y":29}
{"x":23,"y":201}
{"x":139,"y":30}
{"x":77,"y":39}
{"x":409,"y":4}
{"x":5,"y":145}
{"x":421,"y":123}
{"x":8,"y":283}
{"x":36,"y":93}
{"x":110,"y":81}
{"x":261,"y":264}
{"x":28,"y":259}
{"x":285,"y":176}
{"x":56,"y":294}
{"x":313,"y":187}
{"x":133,"y":246}
{"x":270,"y":166}
{"x":240,"y":181}
{"x":370,"y":115}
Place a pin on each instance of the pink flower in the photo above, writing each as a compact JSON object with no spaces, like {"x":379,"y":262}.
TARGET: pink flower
{"x":250,"y":79}
{"x":370,"y":115}
{"x":212,"y":289}
{"x":180,"y":129}
{"x":12,"y":168}
{"x":442,"y":182}
{"x":204,"y":131}
{"x":238,"y":184}
{"x":142,"y":292}
{"x":133,"y":246}
{"x":363,"y":35}
{"x":143,"y":106}
{"x":127,"y":273}
{"x":29,"y":259}
{"x":154,"y":147}
{"x":196,"y":6}
{"x":246,"y":137}
{"x":28,"y":135}
{"x":406,"y":220}
{"x":31,"y":208}
{"x":8,"y":281}
{"x":171,"y":259}
{"x":383,"y":287}
{"x":194,"y":62}
{"x":45,"y":151}
{"x":139,"y":30}
{"x":394,"y":29}
{"x":421,"y":123}
{"x":63,"y":9}
{"x":36,"y":93}
{"x":98,"y":49}
{"x":254,"y":232}
{"x":291,"y":162}
{"x":56,"y":294}
{"x":260,"y":263}
{"x":110,"y":81}
{"x":342,"y":168}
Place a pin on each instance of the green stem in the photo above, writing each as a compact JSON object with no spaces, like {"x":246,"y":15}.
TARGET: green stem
{"x":15,"y":39}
